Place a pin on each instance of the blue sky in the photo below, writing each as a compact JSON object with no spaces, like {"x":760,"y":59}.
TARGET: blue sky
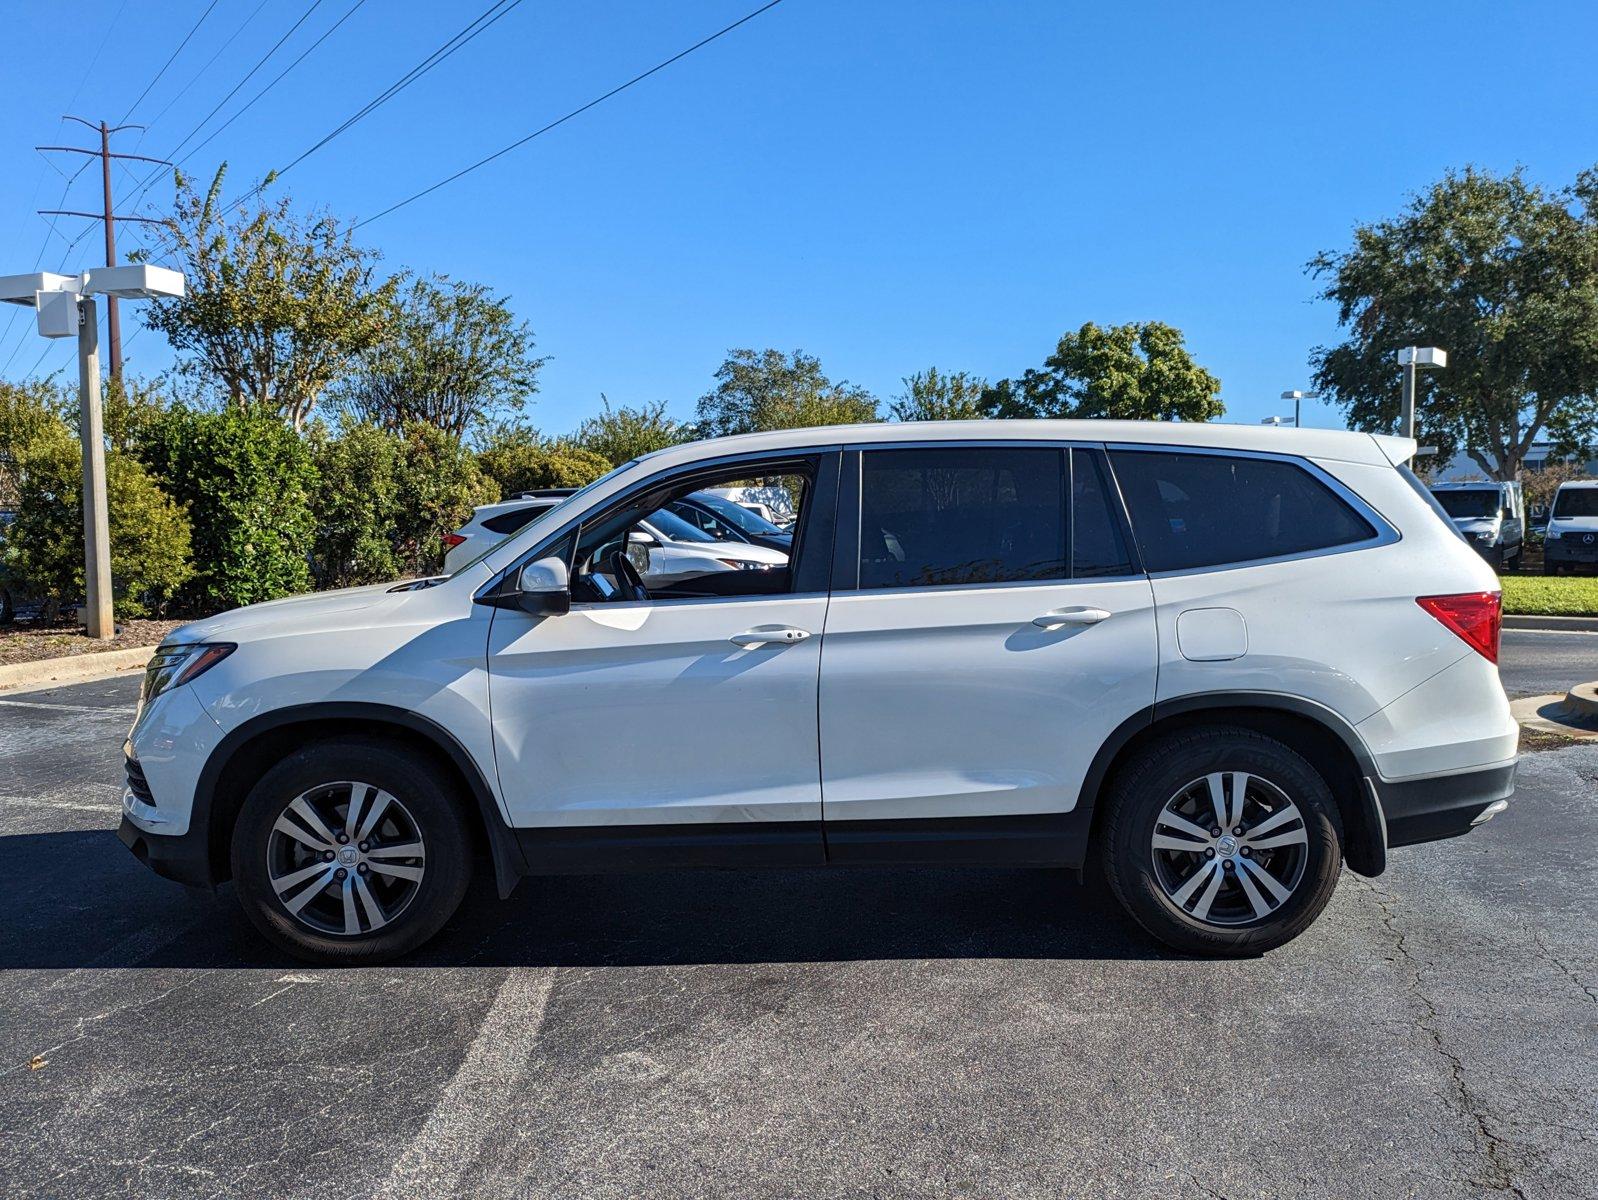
{"x":888,"y":185}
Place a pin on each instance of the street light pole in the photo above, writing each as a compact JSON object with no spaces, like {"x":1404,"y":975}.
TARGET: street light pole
{"x":96,"y":522}
{"x":1411,"y":359}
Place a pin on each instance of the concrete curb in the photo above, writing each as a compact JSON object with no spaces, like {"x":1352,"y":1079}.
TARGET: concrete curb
{"x":1569,"y":624}
{"x":75,"y":668}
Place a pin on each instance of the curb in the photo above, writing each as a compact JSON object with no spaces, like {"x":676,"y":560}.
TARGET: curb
{"x":1569,"y":624}
{"x":75,"y":668}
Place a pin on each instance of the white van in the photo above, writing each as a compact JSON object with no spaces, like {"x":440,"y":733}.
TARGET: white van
{"x":1572,"y":537}
{"x":1214,"y":661}
{"x":1490,"y":515}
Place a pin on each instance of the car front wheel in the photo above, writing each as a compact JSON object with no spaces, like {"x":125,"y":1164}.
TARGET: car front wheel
{"x":1221,"y":841}
{"x":351,"y":852}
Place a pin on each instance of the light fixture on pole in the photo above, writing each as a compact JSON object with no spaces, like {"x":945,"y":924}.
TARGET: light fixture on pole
{"x":1298,"y":399}
{"x":64,"y":306}
{"x":1412,"y":359}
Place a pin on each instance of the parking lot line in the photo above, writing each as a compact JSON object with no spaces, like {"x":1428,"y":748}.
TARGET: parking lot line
{"x":118,"y":709}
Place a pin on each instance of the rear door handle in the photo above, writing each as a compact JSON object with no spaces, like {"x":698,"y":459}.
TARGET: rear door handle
{"x":1061,"y":617}
{"x":784,"y":636}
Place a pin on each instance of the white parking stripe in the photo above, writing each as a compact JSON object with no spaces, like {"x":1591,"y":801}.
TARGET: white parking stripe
{"x":112,"y":709}
{"x":110,"y":806}
{"x":480,"y":1091}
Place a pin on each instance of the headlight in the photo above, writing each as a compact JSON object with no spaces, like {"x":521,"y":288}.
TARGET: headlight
{"x":1552,"y":535}
{"x":172,"y":666}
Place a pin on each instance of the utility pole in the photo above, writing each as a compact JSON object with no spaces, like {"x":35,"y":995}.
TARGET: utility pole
{"x":113,"y":317}
{"x":1412,"y":359}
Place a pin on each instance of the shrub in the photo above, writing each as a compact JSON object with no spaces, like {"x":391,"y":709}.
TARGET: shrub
{"x":246,"y":478}
{"x":356,"y":504}
{"x":43,"y":549}
{"x":437,"y":483}
{"x":620,"y":435}
{"x":521,"y":463}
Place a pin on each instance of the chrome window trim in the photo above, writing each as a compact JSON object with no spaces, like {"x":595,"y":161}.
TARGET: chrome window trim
{"x":1387,"y":534}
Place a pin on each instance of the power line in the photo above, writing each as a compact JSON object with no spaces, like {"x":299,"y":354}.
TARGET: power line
{"x":209,"y":63}
{"x":483,"y":162}
{"x":251,"y":101}
{"x":195,"y":28}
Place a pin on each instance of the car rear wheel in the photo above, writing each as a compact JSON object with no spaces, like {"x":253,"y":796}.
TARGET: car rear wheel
{"x":351,"y":852}
{"x":1221,"y":841}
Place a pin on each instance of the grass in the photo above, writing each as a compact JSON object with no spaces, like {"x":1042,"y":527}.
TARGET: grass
{"x":1551,"y":595}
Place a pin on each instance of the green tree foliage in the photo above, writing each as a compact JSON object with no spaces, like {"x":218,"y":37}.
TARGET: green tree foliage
{"x":517,"y":460}
{"x":278,"y":305}
{"x":247,"y":480}
{"x":43,"y":548}
{"x":773,"y":390}
{"x":620,"y":435}
{"x":1135,"y":372}
{"x":27,"y":411}
{"x":455,"y":357}
{"x":934,"y":395}
{"x":1504,"y":276}
{"x":356,"y":504}
{"x":437,"y":483}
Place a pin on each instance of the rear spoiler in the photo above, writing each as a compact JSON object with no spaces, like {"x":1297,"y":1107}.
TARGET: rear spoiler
{"x":1399,"y":450}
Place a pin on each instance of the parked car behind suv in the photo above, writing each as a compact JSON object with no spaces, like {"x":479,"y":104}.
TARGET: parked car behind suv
{"x":1215,"y":662}
{"x":1571,"y":540}
{"x":1491,"y":516}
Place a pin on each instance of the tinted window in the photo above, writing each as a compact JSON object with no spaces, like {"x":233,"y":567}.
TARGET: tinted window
{"x":1468,"y":502}
{"x":512,"y":521}
{"x":950,"y":516}
{"x":1576,"y":502}
{"x":1200,"y":510}
{"x":1097,"y":547}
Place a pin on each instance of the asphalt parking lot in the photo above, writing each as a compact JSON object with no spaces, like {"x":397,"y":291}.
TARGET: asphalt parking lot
{"x":850,"y":1033}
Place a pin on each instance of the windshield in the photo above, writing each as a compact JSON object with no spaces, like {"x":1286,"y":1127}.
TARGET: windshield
{"x":1576,"y":502}
{"x":553,"y":508}
{"x":673,"y":528}
{"x":736,"y":515}
{"x":1469,"y":502}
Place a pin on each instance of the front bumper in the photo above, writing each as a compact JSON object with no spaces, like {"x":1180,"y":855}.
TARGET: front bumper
{"x":181,"y":857}
{"x":1571,"y":550}
{"x":1443,"y":806}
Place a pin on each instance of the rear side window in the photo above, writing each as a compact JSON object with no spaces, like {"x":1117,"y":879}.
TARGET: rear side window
{"x":1097,"y":547}
{"x":507,"y":523}
{"x":1203,"y":510}
{"x":939,"y":517}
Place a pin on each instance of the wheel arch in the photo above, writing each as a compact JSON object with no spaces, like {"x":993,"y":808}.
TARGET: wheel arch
{"x":246,"y":751}
{"x":1325,"y":739}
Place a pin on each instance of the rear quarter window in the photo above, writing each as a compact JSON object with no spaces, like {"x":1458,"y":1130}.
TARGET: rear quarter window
{"x":508,"y":523}
{"x":1193,"y":510}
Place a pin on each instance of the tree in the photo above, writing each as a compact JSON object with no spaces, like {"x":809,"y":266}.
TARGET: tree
{"x":771,"y":390}
{"x":454,"y":357}
{"x":620,"y":435}
{"x":277,"y":306}
{"x":355,"y":502}
{"x":1140,"y":371}
{"x":437,"y":484}
{"x":932,"y":395}
{"x":517,"y":460}
{"x":27,"y":411}
{"x":1501,"y":274}
{"x":246,"y":480}
{"x":1540,"y":485}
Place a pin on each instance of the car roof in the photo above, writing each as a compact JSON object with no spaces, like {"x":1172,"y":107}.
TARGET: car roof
{"x":518,"y":504}
{"x":1377,"y":449}
{"x":1465,"y":485}
{"x":1573,"y":484}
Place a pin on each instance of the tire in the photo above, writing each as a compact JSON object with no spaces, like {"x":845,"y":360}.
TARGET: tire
{"x":399,"y":901}
{"x":1156,"y":884}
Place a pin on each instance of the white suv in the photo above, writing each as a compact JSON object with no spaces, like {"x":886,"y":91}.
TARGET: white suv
{"x":1216,"y":662}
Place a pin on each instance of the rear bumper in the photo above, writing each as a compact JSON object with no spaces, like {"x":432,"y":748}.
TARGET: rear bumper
{"x":1444,"y":806}
{"x":181,"y":857}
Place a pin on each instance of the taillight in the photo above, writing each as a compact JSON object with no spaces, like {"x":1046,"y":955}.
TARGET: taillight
{"x":1476,"y":617}
{"x":451,"y":540}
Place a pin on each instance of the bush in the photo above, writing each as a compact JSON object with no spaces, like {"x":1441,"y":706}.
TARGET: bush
{"x":43,"y":548}
{"x":522,"y":463}
{"x":620,"y":435}
{"x":246,"y":478}
{"x":356,"y":505}
{"x":437,"y":483}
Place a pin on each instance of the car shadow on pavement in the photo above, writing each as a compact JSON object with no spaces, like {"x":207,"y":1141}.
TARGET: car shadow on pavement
{"x":79,"y":900}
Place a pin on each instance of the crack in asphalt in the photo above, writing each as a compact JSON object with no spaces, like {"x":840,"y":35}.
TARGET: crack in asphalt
{"x":1498,"y":1174}
{"x":1591,"y":992}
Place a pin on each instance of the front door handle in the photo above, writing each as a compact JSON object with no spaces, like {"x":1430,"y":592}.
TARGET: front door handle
{"x":784,"y":636}
{"x":1062,"y":617}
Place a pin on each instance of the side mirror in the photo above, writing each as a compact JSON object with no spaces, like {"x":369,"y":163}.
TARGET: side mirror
{"x":544,"y":590}
{"x":642,"y":537}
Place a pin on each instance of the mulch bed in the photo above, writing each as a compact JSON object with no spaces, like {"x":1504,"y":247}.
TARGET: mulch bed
{"x":21,"y":642}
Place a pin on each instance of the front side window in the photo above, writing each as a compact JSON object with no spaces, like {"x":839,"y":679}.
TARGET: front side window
{"x":1194,"y":510}
{"x":1468,"y":502}
{"x":957,"y":515}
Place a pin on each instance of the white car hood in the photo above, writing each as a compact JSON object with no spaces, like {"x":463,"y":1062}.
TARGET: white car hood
{"x":298,"y":612}
{"x":1566,"y":526}
{"x":1475,"y":524}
